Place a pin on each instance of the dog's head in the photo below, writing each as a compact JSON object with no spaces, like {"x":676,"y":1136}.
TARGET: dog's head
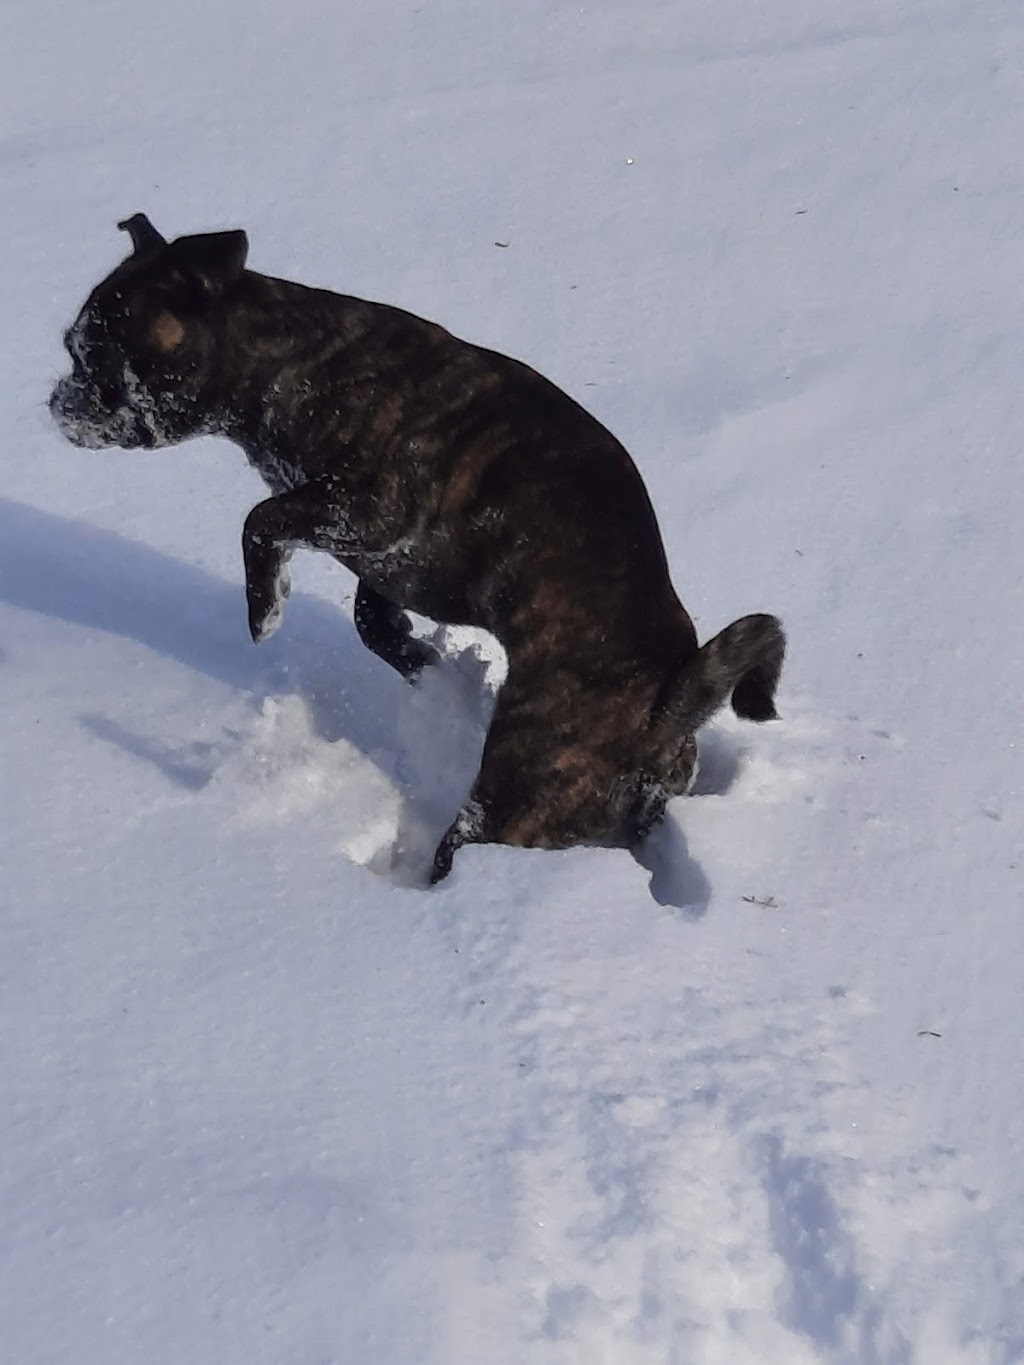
{"x":144,"y":348}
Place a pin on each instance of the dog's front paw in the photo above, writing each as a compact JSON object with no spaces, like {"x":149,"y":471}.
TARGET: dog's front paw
{"x":263,"y":622}
{"x":266,"y":608}
{"x":413,"y":657}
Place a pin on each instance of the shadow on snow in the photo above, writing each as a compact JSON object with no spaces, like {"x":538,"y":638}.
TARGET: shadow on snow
{"x":74,"y":572}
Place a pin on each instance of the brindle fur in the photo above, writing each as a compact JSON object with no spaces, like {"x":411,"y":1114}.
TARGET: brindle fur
{"x":453,"y":481}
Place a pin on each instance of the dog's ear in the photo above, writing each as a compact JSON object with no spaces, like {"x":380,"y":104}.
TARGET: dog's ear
{"x":144,"y":235}
{"x":212,"y":260}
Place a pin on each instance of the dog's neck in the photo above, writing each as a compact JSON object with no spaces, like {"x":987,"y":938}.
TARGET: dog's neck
{"x":278,"y":335}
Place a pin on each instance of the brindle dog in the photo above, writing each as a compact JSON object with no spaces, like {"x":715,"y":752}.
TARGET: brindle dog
{"x":453,"y":481}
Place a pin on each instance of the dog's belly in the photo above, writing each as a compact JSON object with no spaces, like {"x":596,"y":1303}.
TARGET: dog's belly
{"x":430,"y":590}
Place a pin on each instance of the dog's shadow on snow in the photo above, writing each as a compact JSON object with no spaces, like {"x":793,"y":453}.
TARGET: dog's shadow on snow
{"x":78,"y":573}
{"x":81,"y":574}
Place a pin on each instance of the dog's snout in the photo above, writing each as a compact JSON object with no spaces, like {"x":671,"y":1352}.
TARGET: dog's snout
{"x":69,"y":397}
{"x":61,"y":409}
{"x":69,"y":408}
{"x":58,"y":399}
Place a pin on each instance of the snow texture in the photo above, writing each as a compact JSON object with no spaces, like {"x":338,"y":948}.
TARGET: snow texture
{"x":266,"y":1100}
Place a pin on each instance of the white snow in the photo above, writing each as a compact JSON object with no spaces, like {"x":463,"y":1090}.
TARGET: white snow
{"x":265,"y":1101}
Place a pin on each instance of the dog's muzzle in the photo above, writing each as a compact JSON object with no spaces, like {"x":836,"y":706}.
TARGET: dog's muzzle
{"x":86,"y":421}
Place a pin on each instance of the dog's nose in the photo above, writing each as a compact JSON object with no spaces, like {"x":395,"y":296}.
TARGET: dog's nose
{"x":65,"y":411}
{"x":58,"y":399}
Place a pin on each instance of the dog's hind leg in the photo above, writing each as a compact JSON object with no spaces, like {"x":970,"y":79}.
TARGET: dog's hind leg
{"x":676,"y":773}
{"x":468,"y":827}
{"x":647,"y":812}
{"x":384,"y":629}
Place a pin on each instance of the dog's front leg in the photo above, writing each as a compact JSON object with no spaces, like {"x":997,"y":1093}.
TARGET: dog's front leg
{"x":386,"y":630}
{"x":315,"y":515}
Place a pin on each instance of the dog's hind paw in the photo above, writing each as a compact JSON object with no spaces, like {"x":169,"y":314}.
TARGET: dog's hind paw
{"x":443,"y":859}
{"x":466,"y":828}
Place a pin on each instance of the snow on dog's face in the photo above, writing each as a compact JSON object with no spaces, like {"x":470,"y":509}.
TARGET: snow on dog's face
{"x":143,"y":346}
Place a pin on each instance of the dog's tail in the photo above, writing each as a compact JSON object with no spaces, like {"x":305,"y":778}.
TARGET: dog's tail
{"x":745,"y":659}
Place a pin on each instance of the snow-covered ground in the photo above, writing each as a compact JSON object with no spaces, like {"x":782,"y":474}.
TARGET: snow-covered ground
{"x":263,"y":1100}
